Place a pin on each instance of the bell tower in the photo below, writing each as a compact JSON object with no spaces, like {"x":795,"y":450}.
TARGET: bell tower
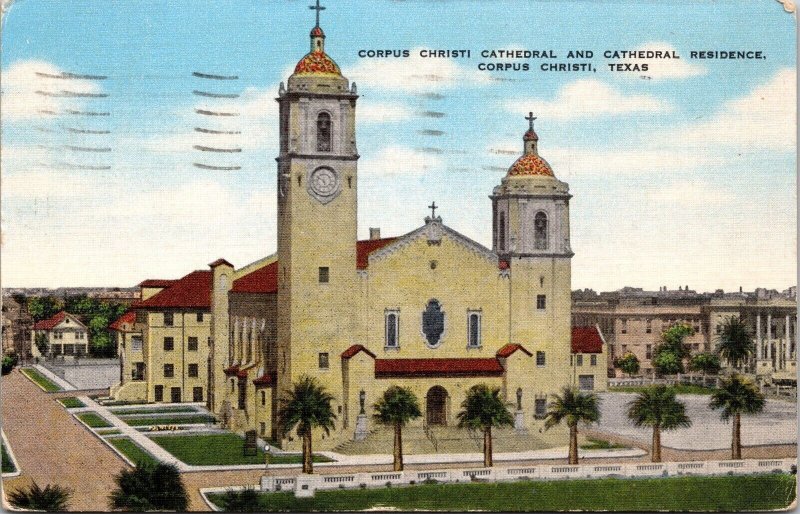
{"x":530,"y":212}
{"x":317,"y":179}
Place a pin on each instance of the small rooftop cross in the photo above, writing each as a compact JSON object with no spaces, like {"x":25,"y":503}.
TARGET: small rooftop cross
{"x":433,"y":208}
{"x":530,"y":117}
{"x":317,"y":8}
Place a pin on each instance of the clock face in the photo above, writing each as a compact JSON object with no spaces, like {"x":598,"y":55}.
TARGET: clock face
{"x":324,"y":184}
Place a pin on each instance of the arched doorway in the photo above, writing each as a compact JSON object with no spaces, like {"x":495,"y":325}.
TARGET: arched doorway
{"x":436,"y":406}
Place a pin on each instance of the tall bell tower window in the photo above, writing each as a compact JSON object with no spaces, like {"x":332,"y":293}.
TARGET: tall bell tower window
{"x":324,"y":132}
{"x":501,"y":232}
{"x":540,"y":231}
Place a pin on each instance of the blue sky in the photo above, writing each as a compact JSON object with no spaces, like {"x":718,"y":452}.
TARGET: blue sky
{"x":683,"y":176}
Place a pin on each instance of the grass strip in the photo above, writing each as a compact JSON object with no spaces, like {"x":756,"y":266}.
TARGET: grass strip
{"x":601,"y":444}
{"x":679,"y":389}
{"x":71,"y":402}
{"x":154,"y":410}
{"x":169,"y":420}
{"x":133,"y":451}
{"x":40,"y":380}
{"x":726,"y":494}
{"x":220,"y":450}
{"x":94,"y":420}
{"x":7,"y":463}
{"x":111,"y":431}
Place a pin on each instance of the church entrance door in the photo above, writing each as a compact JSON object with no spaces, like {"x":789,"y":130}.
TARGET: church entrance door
{"x":436,"y":406}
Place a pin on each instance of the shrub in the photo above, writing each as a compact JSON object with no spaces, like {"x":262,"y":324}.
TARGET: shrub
{"x":9,"y":361}
{"x":245,"y":500}
{"x":53,"y":498}
{"x":628,"y":363}
{"x":149,"y":486}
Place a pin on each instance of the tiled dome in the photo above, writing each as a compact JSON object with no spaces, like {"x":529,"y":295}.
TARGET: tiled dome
{"x":530,"y":135}
{"x":317,"y":63}
{"x":530,"y":164}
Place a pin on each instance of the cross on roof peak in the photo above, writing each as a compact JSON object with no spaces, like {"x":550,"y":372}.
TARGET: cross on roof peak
{"x":433,"y":208}
{"x":530,"y":117}
{"x":317,"y":8}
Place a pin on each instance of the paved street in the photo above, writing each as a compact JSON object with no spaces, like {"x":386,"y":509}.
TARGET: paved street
{"x":776,"y":425}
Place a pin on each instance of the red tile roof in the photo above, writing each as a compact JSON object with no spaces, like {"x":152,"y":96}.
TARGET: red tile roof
{"x":503,"y":264}
{"x":262,"y":280}
{"x":219,"y":262}
{"x":586,"y":340}
{"x":190,"y":292}
{"x":264,"y":380}
{"x":51,"y":322}
{"x":126,"y":319}
{"x":353,"y":350}
{"x":156,"y":282}
{"x":449,"y":367}
{"x":265,"y":279}
{"x":510,"y":348}
{"x":235,"y":371}
{"x":366,"y":247}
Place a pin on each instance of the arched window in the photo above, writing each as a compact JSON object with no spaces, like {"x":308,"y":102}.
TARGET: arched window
{"x":324,"y":132}
{"x":501,"y":232}
{"x":392,"y":329}
{"x":540,"y":231}
{"x":433,"y":323}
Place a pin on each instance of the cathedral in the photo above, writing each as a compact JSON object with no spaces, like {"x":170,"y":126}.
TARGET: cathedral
{"x":431,"y":309}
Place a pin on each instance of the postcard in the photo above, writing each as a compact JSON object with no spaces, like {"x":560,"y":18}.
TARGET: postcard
{"x":328,"y":255}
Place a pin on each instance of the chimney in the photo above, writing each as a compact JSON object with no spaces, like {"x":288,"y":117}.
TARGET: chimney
{"x":374,"y":233}
{"x":740,"y":289}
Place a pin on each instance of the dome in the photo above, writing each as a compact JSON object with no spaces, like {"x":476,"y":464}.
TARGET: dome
{"x":317,"y":32}
{"x":530,"y":165}
{"x":530,"y":135}
{"x":317,"y":63}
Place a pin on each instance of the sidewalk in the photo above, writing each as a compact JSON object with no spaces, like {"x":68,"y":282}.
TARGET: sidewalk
{"x":60,"y":382}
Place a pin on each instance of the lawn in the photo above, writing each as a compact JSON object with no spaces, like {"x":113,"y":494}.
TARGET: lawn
{"x":40,"y":380}
{"x":679,"y":389}
{"x":601,"y":444}
{"x":131,"y":450}
{"x":168,"y":420}
{"x":71,"y":402}
{"x":219,"y":449}
{"x":111,"y":431}
{"x":8,"y":465}
{"x":94,"y":420}
{"x":734,"y":493}
{"x":153,"y":410}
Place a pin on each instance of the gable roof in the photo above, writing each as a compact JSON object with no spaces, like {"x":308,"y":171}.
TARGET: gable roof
{"x":587,"y":340}
{"x":126,"y":319}
{"x":366,"y":247}
{"x":353,"y":351}
{"x":51,"y":322}
{"x":510,"y":348}
{"x":450,"y":367}
{"x":190,"y":292}
{"x":156,"y":282}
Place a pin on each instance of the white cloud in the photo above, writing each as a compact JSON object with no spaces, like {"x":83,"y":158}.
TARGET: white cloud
{"x":378,"y":112}
{"x":414,"y":74}
{"x":691,"y":194}
{"x":765,"y":119}
{"x":662,"y":69}
{"x":399,"y":160}
{"x":588,"y":98}
{"x":21,"y":81}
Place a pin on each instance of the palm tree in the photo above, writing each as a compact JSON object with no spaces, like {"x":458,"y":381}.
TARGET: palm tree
{"x":306,"y":406}
{"x":657,"y":407}
{"x":397,"y":407}
{"x":483,"y":409}
{"x":736,"y":396}
{"x":149,"y":486}
{"x":244,"y":500}
{"x":53,"y":498}
{"x":735,"y":342}
{"x":573,"y":406}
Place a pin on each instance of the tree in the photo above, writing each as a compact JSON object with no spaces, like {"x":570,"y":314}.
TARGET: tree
{"x":573,"y":407}
{"x":657,"y":407}
{"x":736,"y":396}
{"x":9,"y":361}
{"x":53,"y":498}
{"x":628,"y":363}
{"x":42,"y":307}
{"x":41,"y":343}
{"x":306,"y":406}
{"x":149,"y":486}
{"x":244,"y":500}
{"x":672,"y":340}
{"x":667,"y":363}
{"x":395,"y":408}
{"x":705,"y":362}
{"x":483,"y":409}
{"x":735,"y":343}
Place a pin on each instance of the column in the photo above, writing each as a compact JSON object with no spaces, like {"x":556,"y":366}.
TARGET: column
{"x":769,"y":336}
{"x":788,"y":336}
{"x":759,"y":348}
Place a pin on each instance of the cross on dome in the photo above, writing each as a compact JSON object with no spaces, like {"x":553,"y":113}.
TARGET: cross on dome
{"x":530,"y":117}
{"x":317,"y":8}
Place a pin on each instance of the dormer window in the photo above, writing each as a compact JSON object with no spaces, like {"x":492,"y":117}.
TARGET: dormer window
{"x":324,"y":132}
